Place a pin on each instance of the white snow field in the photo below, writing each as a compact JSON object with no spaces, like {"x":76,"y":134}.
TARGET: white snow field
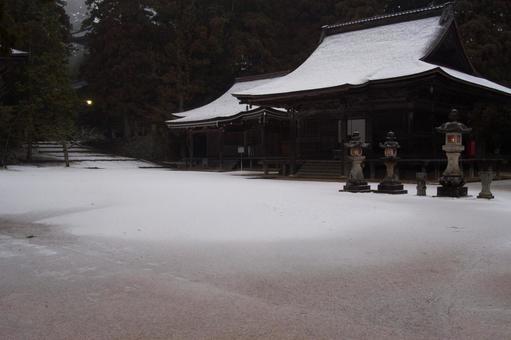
{"x":126,"y":253}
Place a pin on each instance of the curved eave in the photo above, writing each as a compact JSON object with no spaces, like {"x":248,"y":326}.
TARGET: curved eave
{"x":472,"y":84}
{"x":258,"y":99}
{"x":216,"y":122}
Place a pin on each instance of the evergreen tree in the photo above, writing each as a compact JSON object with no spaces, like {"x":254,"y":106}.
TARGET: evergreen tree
{"x":192,"y":38}
{"x":486,"y":33}
{"x":43,"y":98}
{"x":121,"y":63}
{"x":47,"y":107}
{"x":6,"y":29}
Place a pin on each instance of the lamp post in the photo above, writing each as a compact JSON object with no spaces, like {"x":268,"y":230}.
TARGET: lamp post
{"x":356,"y":182}
{"x":391,"y":183}
{"x":452,"y":180}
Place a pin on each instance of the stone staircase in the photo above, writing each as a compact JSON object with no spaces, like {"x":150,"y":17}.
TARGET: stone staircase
{"x":321,"y":170}
{"x":53,"y":152}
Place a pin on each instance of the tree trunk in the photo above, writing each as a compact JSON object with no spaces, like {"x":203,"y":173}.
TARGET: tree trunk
{"x":127,"y":130}
{"x":66,"y":153}
{"x":181,"y":103}
{"x":29,"y":150}
{"x":5,"y":152}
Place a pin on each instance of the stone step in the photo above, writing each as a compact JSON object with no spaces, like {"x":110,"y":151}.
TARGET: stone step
{"x":321,"y":167}
{"x":53,"y":152}
{"x":321,"y":170}
{"x":62,"y":151}
{"x":320,"y":176}
{"x":319,"y":173}
{"x":42,"y":161}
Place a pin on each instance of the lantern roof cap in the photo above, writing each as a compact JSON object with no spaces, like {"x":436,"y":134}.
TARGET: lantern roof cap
{"x":453,"y":125}
{"x":356,"y":141}
{"x":390,"y":141}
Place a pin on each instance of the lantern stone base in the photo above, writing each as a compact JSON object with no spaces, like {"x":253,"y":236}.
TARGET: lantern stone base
{"x":452,"y":185}
{"x":391,"y":188}
{"x":486,"y":196}
{"x":357,"y":188}
{"x":452,"y":192}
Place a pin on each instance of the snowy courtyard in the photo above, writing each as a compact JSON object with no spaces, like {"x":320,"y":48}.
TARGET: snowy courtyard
{"x":120,"y":252}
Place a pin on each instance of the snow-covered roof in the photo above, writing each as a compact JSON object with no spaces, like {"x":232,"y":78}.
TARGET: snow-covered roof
{"x":226,"y":106}
{"x":18,"y":52}
{"x":358,"y":57}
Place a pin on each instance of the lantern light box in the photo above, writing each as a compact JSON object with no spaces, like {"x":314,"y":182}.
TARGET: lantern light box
{"x":356,"y":151}
{"x":453,"y":138}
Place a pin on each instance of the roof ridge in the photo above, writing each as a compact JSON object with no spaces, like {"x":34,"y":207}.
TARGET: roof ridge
{"x":261,"y":76}
{"x":386,"y":18}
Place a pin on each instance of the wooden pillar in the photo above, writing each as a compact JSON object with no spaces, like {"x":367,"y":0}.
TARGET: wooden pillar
{"x":299,"y":126}
{"x":498,"y":170}
{"x":292,"y":144}
{"x":372,"y":170}
{"x":369,"y":128}
{"x":263,"y":144}
{"x":410,"y":116}
{"x":190,"y":148}
{"x":437,"y":170}
{"x":221,"y":147}
{"x":369,"y":139}
{"x":471,"y":170}
{"x":245,"y":146}
{"x":344,"y":139}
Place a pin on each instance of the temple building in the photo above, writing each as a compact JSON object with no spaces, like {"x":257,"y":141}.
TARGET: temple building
{"x":402,"y":72}
{"x":219,"y":134}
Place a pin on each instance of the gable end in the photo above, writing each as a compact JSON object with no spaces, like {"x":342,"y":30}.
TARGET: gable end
{"x":449,"y":51}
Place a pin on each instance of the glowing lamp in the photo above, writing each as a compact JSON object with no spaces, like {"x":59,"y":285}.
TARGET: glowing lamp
{"x":390,"y":152}
{"x":453,"y":138}
{"x":356,"y":151}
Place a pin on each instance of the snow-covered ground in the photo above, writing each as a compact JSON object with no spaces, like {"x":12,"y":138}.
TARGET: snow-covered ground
{"x":123,"y":252}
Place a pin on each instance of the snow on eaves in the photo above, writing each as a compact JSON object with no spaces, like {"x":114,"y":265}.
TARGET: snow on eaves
{"x":467,"y":78}
{"x":358,"y":57}
{"x":225,"y":106}
{"x":18,"y":53}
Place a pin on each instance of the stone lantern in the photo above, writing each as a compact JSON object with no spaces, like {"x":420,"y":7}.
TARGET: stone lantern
{"x":452,"y":181}
{"x":356,"y":181}
{"x":390,"y":184}
{"x":486,"y":179}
